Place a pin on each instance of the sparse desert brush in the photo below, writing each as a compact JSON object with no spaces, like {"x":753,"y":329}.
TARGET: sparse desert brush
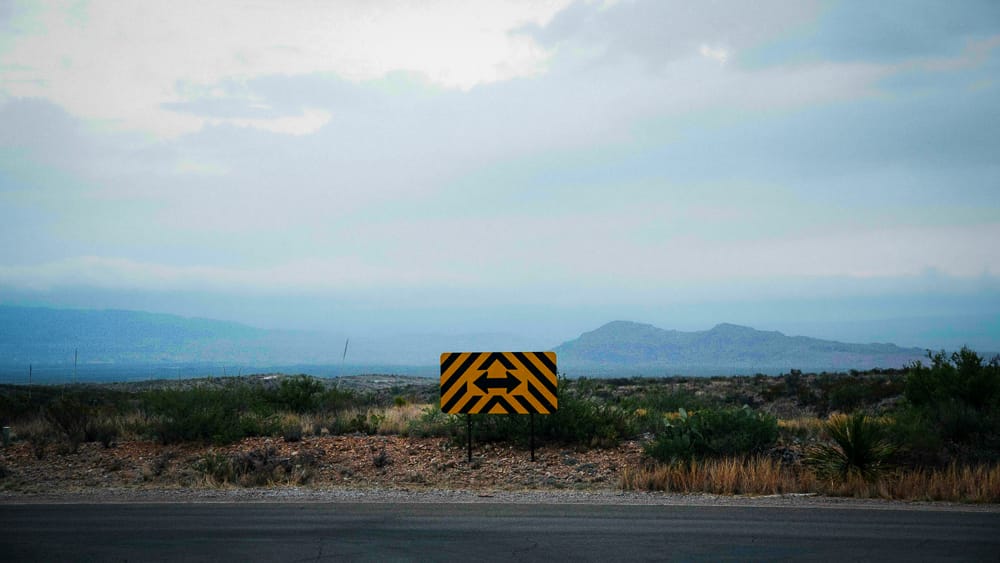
{"x":258,"y":467}
{"x":803,"y":428}
{"x":398,"y":418}
{"x":358,"y":421}
{"x":978,"y":483}
{"x":859,"y":449}
{"x":714,"y":433}
{"x":432,"y":422}
{"x":727,"y":476}
{"x":766,"y":476}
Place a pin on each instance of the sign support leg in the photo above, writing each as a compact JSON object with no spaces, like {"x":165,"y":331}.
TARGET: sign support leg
{"x":468,"y":433}
{"x":532,"y":436}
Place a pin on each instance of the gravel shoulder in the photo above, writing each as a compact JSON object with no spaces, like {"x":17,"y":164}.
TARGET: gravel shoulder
{"x":308,"y":495}
{"x":367,"y":469}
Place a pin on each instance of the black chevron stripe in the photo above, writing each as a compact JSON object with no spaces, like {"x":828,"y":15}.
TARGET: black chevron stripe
{"x":498,"y":400}
{"x":542,"y":400}
{"x":497,"y":356}
{"x":544,"y":358}
{"x":525,"y":403}
{"x":447,"y":385}
{"x":541,"y":377}
{"x":448,"y":361}
{"x":470,"y":406}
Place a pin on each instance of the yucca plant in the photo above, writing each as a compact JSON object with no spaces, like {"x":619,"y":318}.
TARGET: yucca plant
{"x":859,"y":449}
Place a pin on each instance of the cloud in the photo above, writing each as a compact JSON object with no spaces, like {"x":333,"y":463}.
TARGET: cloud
{"x":121,"y":64}
{"x":720,"y":54}
{"x":881,"y":32}
{"x":110,"y":273}
{"x":309,"y":122}
{"x":659,"y":32}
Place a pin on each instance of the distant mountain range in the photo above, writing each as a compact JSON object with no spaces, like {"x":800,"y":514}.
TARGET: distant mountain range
{"x":46,"y":336}
{"x":42,"y":335}
{"x":724,"y":349}
{"x":121,"y":338}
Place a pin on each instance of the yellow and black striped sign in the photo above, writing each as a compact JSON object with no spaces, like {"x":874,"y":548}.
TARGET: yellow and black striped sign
{"x":498,"y":382}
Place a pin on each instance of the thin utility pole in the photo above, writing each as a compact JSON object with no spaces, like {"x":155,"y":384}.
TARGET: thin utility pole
{"x":343,"y":358}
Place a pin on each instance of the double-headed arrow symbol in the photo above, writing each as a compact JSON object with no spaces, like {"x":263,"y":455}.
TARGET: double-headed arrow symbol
{"x":509,"y":382}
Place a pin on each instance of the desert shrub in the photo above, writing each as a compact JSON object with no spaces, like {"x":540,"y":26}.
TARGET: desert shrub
{"x":291,"y":432}
{"x":587,"y":422}
{"x":334,"y":401}
{"x":952,"y":409}
{"x":381,"y":459}
{"x":664,"y":401}
{"x":433,"y":422}
{"x":355,"y":422}
{"x":71,"y":417}
{"x":257,"y":467}
{"x":962,"y":377}
{"x":103,"y":429}
{"x":217,"y":467}
{"x":208,"y":415}
{"x":579,"y":421}
{"x":299,"y":394}
{"x":847,"y":393}
{"x":161,"y":463}
{"x":714,"y":433}
{"x":859,"y":448}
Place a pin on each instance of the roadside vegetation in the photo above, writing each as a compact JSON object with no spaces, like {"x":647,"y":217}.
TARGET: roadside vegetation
{"x":930,"y":431}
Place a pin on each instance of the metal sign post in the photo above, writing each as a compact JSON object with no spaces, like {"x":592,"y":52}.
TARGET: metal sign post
{"x":532,"y":436}
{"x":468,"y":433}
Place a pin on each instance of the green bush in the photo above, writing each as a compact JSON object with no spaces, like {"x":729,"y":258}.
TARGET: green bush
{"x":360,"y":423}
{"x":299,"y":394}
{"x":71,"y":416}
{"x":433,"y":422}
{"x":952,"y":409}
{"x":333,"y":401}
{"x":714,"y":433}
{"x":205,"y":414}
{"x":579,"y":421}
{"x":257,"y":467}
{"x":860,"y":448}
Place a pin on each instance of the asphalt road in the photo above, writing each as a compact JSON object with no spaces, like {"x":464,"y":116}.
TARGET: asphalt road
{"x":487,"y":532}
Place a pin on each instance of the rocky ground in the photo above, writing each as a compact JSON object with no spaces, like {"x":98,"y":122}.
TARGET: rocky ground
{"x":320,"y":462}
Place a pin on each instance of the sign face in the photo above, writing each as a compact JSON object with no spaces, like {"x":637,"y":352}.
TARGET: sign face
{"x":498,"y":382}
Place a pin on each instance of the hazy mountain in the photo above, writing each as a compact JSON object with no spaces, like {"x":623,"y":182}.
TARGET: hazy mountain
{"x":724,"y":349}
{"x":50,"y":336}
{"x":42,"y":335}
{"x":112,"y":337}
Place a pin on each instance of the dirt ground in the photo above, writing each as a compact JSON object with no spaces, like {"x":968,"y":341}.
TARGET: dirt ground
{"x":392,"y":462}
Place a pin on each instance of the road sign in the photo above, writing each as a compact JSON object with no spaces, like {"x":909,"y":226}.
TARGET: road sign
{"x":498,"y":382}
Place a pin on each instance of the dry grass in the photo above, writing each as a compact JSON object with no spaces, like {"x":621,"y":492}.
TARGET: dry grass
{"x":805,"y":428}
{"x":732,"y":476}
{"x":765,"y":476}
{"x":396,"y":419}
{"x":955,"y":483}
{"x":33,"y":428}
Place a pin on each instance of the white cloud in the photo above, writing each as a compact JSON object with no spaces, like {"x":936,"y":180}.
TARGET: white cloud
{"x":348,"y":272}
{"x":117,"y":63}
{"x":720,"y":54}
{"x":310,"y":121}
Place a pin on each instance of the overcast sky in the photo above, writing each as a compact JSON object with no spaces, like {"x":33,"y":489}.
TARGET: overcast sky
{"x":503,"y":166}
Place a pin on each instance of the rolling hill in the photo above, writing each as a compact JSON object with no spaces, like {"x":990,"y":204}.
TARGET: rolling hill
{"x":120,"y":338}
{"x":725,"y":349}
